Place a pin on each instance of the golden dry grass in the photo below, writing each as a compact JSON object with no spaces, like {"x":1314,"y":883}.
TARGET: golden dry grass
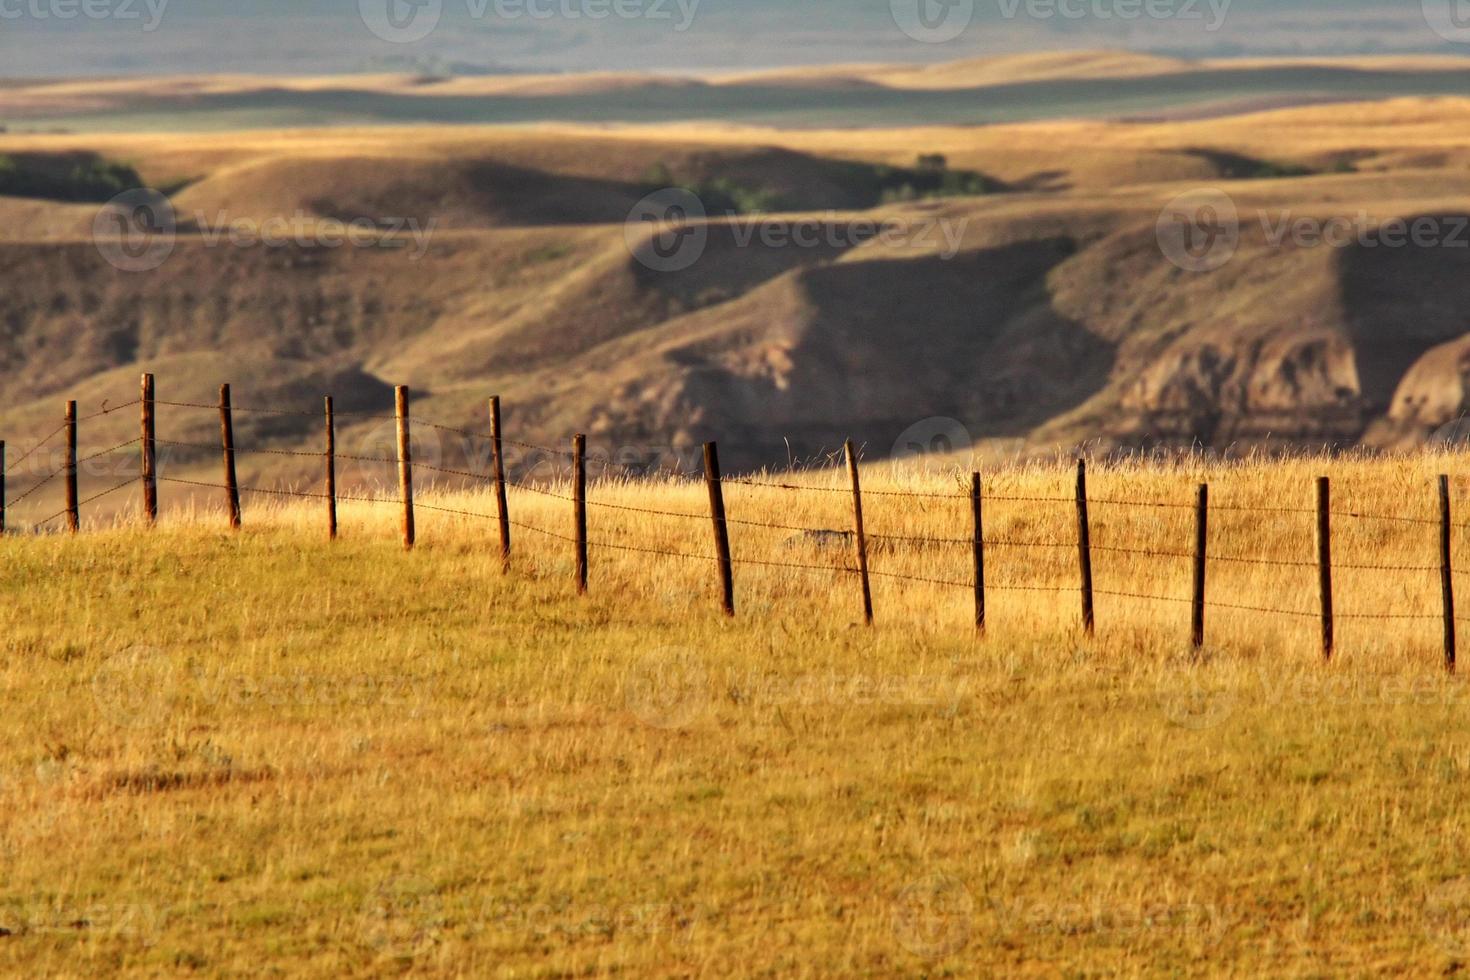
{"x":1403,"y":137}
{"x":230,"y":751}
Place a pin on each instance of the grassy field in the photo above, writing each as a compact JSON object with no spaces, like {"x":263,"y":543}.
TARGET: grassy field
{"x":225,"y":751}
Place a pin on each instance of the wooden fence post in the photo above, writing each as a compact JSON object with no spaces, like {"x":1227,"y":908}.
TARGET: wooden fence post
{"x":149,"y":450}
{"x":502,"y":505}
{"x":227,"y":443}
{"x":2,"y":487}
{"x":73,"y":512}
{"x":405,"y":463}
{"x":712,"y":479}
{"x":979,"y":549}
{"x":1324,"y":561}
{"x":1201,"y":544}
{"x":579,"y":507}
{"x":1446,"y":573}
{"x":331,"y":492}
{"x":1084,"y":549}
{"x":859,"y":534}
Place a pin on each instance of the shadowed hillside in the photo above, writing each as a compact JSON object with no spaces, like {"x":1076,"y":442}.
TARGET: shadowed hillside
{"x":846,"y":285}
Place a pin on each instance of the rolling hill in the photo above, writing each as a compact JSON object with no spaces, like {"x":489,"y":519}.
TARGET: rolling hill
{"x":837,"y":293}
{"x":1014,"y":88}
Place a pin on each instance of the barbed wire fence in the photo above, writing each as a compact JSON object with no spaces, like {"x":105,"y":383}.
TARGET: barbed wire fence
{"x":138,"y":459}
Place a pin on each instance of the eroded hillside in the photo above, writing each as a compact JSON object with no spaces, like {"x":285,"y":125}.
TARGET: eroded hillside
{"x":835,"y":293}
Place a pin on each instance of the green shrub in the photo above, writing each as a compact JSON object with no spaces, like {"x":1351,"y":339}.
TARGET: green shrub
{"x":93,"y":181}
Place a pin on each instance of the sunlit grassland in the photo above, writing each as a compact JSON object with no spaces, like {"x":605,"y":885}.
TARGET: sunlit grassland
{"x":266,"y":751}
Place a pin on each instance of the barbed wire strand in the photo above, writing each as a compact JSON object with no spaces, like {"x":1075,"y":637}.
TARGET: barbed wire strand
{"x":109,"y":409}
{"x":12,"y":464}
{"x":15,"y":500}
{"x":88,"y":500}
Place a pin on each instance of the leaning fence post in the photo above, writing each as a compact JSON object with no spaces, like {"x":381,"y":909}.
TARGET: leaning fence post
{"x":1084,"y":549}
{"x":859,"y":535}
{"x":579,"y":507}
{"x":331,"y":492}
{"x":1446,"y":573}
{"x":1324,"y":561}
{"x":712,"y":480}
{"x":227,"y":443}
{"x":1201,"y":543}
{"x":979,"y":549}
{"x":73,"y":512}
{"x":405,"y":463}
{"x":149,"y":450}
{"x":502,"y":506}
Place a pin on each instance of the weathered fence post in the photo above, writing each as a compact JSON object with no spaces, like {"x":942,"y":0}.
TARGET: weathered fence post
{"x":1084,"y":549}
{"x":1446,"y":573}
{"x":149,"y":451}
{"x":859,"y":534}
{"x":712,"y":479}
{"x":1201,"y":544}
{"x":73,"y":513}
{"x":979,"y":548}
{"x":405,"y":464}
{"x":579,"y":507}
{"x":502,"y":506}
{"x":1324,"y":561}
{"x":331,"y":492}
{"x":227,"y":443}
